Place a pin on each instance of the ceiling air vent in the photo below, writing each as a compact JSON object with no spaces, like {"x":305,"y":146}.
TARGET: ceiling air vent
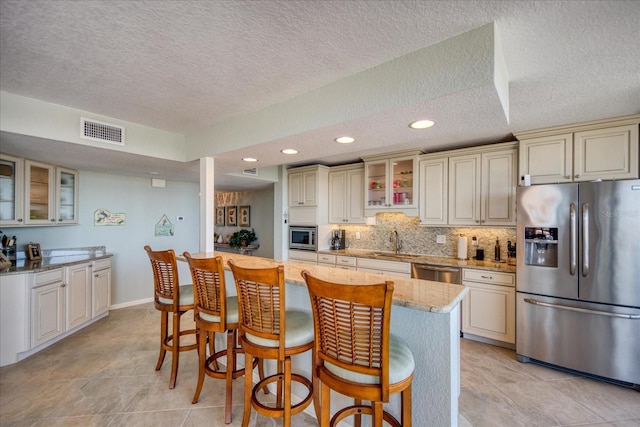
{"x":103,"y":132}
{"x":252,"y":172}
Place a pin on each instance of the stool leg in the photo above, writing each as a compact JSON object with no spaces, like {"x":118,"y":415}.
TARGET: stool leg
{"x":325,"y":405}
{"x":202,"y":360}
{"x":378,"y":414}
{"x":231,"y":365}
{"x":406,"y":407}
{"x":287,"y":392}
{"x":175,"y":350}
{"x":261,"y":374}
{"x":164,"y":316}
{"x":358,"y":418}
{"x":279,"y":384}
{"x":248,"y":388}
{"x":212,"y":349}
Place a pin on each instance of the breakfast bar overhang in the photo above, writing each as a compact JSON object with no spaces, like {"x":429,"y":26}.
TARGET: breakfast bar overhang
{"x":425,"y":314}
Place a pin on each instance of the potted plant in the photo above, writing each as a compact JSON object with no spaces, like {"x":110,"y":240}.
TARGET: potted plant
{"x":242,"y":238}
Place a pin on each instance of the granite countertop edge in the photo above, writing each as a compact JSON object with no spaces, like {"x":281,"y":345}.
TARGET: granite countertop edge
{"x":56,"y":258}
{"x":424,"y":259}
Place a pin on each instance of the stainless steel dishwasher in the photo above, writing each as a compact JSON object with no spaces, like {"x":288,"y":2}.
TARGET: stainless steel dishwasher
{"x":436,"y":273}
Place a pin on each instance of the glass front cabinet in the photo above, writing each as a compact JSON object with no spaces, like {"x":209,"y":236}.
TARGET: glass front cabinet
{"x":35,"y":193}
{"x":391,"y":183}
{"x":11,"y":190}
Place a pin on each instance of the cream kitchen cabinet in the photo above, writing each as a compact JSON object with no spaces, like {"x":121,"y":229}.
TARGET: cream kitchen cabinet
{"x":11,"y":190}
{"x":595,"y":150}
{"x":305,"y":257}
{"x":389,"y":268}
{"x":48,"y":195}
{"x":47,"y":306}
{"x":101,"y":286}
{"x":489,"y":309}
{"x":326,"y":260}
{"x":346,"y":262}
{"x":482,"y":186}
{"x":391,"y":183}
{"x":308,"y":195}
{"x":14,"y":317}
{"x":78,"y":294}
{"x":346,"y":195}
{"x":434,"y":189}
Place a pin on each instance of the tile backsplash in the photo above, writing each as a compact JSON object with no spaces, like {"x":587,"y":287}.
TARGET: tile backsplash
{"x":422,"y":240}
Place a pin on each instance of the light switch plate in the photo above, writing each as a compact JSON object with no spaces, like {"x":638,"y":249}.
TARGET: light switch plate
{"x":441,"y":238}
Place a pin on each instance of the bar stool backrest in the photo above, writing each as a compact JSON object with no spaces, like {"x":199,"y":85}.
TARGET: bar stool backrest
{"x":351,"y":325}
{"x":261,"y":302}
{"x":210,"y":294}
{"x":165,"y":276}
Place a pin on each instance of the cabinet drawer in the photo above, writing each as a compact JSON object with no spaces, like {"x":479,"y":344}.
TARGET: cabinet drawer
{"x":326,"y":259}
{"x":49,"y":276}
{"x":345,"y":261}
{"x":377,"y":264}
{"x":492,"y":277}
{"x":101,"y":264}
{"x":303,"y":256}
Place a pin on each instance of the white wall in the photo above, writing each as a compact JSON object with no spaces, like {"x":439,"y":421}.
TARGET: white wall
{"x":144,"y":206}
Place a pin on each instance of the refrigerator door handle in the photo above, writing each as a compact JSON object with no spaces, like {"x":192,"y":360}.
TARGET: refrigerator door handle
{"x":585,"y":240}
{"x":582,"y":310}
{"x":573,"y":249}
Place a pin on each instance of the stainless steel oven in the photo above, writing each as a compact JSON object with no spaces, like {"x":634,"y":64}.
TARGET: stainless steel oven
{"x":303,"y":237}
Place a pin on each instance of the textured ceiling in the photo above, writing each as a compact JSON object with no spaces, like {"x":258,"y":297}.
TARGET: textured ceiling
{"x":194,"y":67}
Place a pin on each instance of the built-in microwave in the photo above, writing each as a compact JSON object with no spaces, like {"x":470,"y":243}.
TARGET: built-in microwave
{"x":303,"y":237}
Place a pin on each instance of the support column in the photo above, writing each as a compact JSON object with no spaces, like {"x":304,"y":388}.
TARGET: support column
{"x":207,"y":198}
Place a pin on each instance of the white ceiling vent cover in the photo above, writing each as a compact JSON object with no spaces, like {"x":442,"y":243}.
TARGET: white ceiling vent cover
{"x":252,"y":172}
{"x":100,"y":131}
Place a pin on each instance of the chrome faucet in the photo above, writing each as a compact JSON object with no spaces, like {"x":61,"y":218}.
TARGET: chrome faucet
{"x":397,"y":243}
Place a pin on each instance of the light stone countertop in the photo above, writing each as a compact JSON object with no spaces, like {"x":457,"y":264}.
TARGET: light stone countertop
{"x":55,"y":258}
{"x":425,"y":295}
{"x":424,"y":259}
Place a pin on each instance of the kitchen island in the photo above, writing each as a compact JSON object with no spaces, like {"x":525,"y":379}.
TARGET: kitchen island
{"x":425,"y":314}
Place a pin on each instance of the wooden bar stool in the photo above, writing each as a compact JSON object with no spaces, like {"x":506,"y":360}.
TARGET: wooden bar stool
{"x":355,"y":354}
{"x":170,"y":297}
{"x":215,"y":312}
{"x":268,"y":331}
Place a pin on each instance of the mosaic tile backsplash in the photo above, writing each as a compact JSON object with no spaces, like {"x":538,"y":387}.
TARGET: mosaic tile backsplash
{"x":422,"y":240}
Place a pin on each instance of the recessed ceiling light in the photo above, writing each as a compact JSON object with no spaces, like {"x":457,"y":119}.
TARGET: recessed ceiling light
{"x":421,"y":124}
{"x":249,"y":159}
{"x":154,"y":173}
{"x":289,"y":151}
{"x":345,"y":140}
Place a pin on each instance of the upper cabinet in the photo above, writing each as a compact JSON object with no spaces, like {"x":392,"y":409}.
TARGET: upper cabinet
{"x":469,"y":187}
{"x":11,"y":190}
{"x":35,"y":193}
{"x":391,"y":183}
{"x":606,"y":149}
{"x":308,"y":195}
{"x":346,"y":195}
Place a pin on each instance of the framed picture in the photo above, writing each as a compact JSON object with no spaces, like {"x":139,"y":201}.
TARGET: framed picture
{"x":232,"y":215}
{"x":244,"y":216}
{"x":220,"y":216}
{"x":33,"y":251}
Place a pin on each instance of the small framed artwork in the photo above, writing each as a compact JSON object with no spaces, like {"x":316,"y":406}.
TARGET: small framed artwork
{"x":244,"y":216}
{"x":220,"y":216}
{"x":33,"y":251}
{"x":232,"y":216}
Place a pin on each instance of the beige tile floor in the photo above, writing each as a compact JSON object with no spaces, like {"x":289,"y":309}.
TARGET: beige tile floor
{"x":103,"y":376}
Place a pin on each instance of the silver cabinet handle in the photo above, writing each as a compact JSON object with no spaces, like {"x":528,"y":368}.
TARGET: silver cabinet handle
{"x":585,"y":240}
{"x":487,"y":277}
{"x":572,"y":240}
{"x":577,"y":176}
{"x":567,"y":176}
{"x":581,"y":310}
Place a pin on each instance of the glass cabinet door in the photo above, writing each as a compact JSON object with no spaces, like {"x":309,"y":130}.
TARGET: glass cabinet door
{"x":11,"y":190}
{"x":402,"y":182}
{"x":377,"y":173}
{"x":39,"y":206}
{"x":67,"y":191}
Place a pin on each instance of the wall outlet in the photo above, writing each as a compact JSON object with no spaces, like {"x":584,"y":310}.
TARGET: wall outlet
{"x":357,"y":235}
{"x":441,"y":238}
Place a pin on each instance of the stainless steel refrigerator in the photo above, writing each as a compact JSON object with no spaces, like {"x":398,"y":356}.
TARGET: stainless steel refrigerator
{"x":578,"y":278}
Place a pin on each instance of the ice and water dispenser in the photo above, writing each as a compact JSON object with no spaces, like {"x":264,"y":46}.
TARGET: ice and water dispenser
{"x":541,"y":246}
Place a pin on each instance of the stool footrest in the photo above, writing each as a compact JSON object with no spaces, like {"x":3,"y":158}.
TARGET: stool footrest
{"x":276,"y":412}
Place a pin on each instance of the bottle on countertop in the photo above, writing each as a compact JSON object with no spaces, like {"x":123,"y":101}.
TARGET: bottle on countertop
{"x":497,"y":251}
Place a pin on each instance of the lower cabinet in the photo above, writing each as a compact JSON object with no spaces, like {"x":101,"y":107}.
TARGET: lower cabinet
{"x":489,"y":309}
{"x":101,"y":286}
{"x":390,"y":268}
{"x":305,"y":257}
{"x":47,"y":306}
{"x":78,"y":290}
